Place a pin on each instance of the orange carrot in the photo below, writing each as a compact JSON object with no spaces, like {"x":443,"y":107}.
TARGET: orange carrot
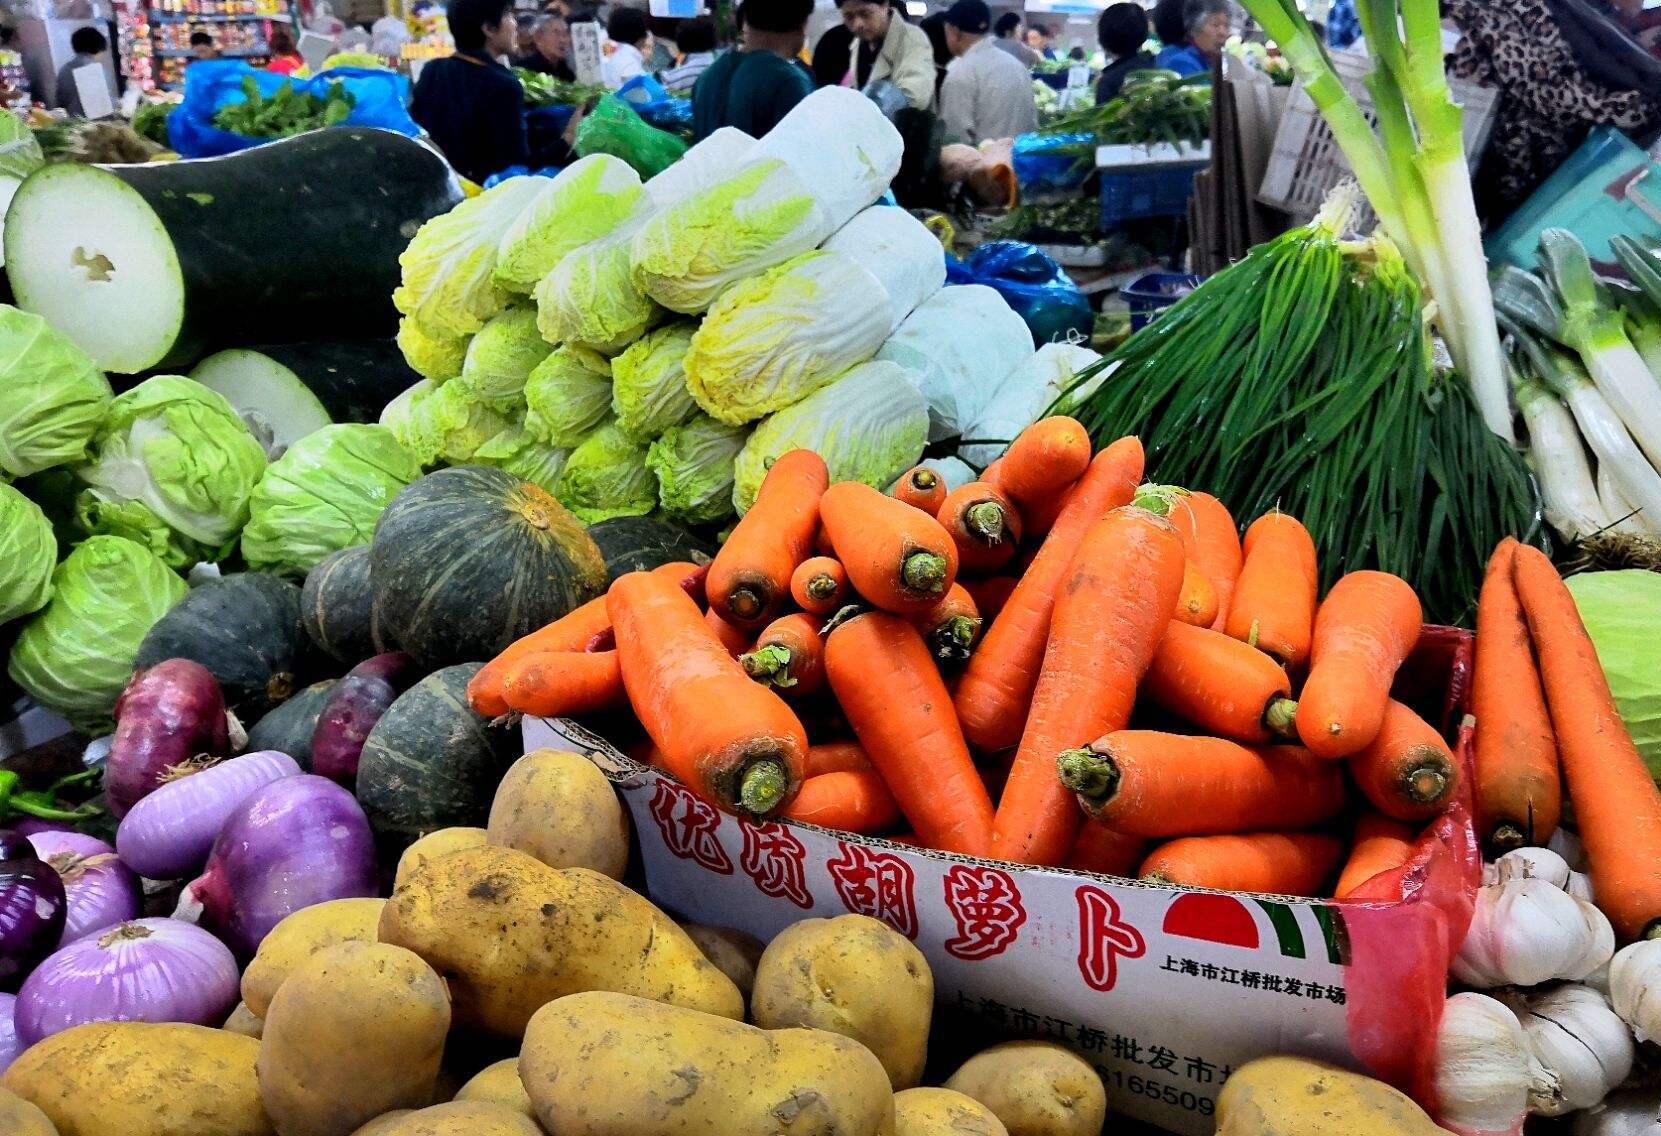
{"x":750,"y":577}
{"x":822,"y":544}
{"x":725,"y":736}
{"x":1145,"y":783}
{"x":896,"y":702}
{"x":1045,"y":458}
{"x":1110,"y":614}
{"x":921,"y":488}
{"x":1040,"y":516}
{"x":991,"y":594}
{"x":734,"y":639}
{"x":984,"y":525}
{"x":1379,"y":845}
{"x":997,"y":685}
{"x":1407,"y":771}
{"x":1212,"y":543}
{"x":819,"y":585}
{"x":897,"y":557}
{"x":1616,"y":804}
{"x":1280,"y":863}
{"x":857,"y":801}
{"x":835,"y":757}
{"x":789,"y":655}
{"x":1197,"y":603}
{"x":1519,"y":787}
{"x":1220,"y":684}
{"x":1366,"y":626}
{"x":951,"y":627}
{"x":1273,"y":605}
{"x":556,"y":684}
{"x":1101,"y":850}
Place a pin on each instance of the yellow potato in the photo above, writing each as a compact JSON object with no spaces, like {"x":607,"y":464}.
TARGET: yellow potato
{"x":1288,"y":1096}
{"x":603,"y":1064}
{"x":126,"y":1078}
{"x":734,"y":953}
{"x":301,"y":935}
{"x":941,"y":1112}
{"x":458,"y":1118}
{"x":436,"y":844}
{"x":561,"y":809}
{"x":356,"y":1030}
{"x":854,"y":976}
{"x":499,"y":1084}
{"x":244,"y":1021}
{"x":511,"y":934}
{"x":20,"y":1118}
{"x":1035,"y":1088}
{"x":383,"y":1123}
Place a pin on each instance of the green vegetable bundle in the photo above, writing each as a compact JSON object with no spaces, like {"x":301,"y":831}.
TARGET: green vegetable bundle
{"x":1153,"y":106}
{"x":1301,"y":378}
{"x":289,"y":111}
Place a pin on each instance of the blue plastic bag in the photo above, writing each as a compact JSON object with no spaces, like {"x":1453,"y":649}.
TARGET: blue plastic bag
{"x":381,"y":95}
{"x":1031,"y":282}
{"x":1040,"y":169}
{"x":502,"y":175}
{"x":652,"y":101}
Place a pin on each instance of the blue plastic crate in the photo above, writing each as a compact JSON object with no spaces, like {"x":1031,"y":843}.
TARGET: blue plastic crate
{"x":1130,"y":194}
{"x":1148,"y":295}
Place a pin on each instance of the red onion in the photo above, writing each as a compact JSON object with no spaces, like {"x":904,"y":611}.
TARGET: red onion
{"x":147,"y":970}
{"x":169,"y":833}
{"x":32,"y":907}
{"x":10,"y":1044}
{"x":293,"y":843}
{"x":353,"y":707}
{"x":168,"y":715}
{"x":101,"y":890}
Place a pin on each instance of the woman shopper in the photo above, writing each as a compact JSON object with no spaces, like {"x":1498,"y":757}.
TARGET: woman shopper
{"x":1122,"y":31}
{"x":1207,"y":24}
{"x":471,"y":105}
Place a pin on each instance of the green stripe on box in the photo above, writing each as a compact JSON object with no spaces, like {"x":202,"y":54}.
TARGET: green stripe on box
{"x":1333,"y":931}
{"x":1286,"y":928}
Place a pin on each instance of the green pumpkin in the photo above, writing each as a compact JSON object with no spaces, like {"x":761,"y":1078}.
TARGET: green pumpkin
{"x":639,"y":544}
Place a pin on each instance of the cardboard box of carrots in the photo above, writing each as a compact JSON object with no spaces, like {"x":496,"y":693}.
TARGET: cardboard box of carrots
{"x":1129,"y":781}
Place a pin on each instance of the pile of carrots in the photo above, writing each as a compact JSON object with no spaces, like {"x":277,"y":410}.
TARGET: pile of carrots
{"x":1056,"y":664}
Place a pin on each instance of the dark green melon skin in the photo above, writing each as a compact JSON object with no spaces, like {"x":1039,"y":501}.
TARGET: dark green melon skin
{"x":245,"y":629}
{"x":289,"y":727}
{"x":431,"y":762}
{"x":354,"y":379}
{"x":337,"y":606}
{"x":639,"y":544}
{"x":468,"y":559}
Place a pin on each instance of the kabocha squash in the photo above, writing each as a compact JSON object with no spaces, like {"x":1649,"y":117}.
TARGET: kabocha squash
{"x":289,"y":727}
{"x":431,"y":762}
{"x":245,"y":629}
{"x":639,"y":544}
{"x":467,"y":560}
{"x":337,"y":606}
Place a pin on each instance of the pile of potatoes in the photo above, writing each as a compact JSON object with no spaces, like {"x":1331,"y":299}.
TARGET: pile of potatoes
{"x":609,"y":1018}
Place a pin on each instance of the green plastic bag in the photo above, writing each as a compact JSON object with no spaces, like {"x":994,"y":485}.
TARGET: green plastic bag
{"x":613,"y":128}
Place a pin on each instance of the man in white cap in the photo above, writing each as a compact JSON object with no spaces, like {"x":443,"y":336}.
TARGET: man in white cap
{"x":987,"y":93}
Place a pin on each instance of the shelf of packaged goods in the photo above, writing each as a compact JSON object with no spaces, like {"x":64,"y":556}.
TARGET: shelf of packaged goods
{"x":183,"y":18}
{"x":184,"y":53}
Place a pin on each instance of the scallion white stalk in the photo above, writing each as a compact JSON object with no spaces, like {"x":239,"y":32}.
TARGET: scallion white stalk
{"x":1573,"y":505}
{"x":1624,"y":517}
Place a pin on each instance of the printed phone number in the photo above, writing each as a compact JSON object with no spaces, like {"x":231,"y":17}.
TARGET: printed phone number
{"x":1158,"y":1090}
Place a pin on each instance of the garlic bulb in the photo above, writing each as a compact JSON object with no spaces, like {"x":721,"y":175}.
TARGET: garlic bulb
{"x":1567,"y":845}
{"x":1483,"y":1070}
{"x":1582,"y":1048}
{"x":1635,"y":987}
{"x":1528,"y":931}
{"x":1580,"y":886}
{"x":1531,"y":864}
{"x":1632,"y":1112}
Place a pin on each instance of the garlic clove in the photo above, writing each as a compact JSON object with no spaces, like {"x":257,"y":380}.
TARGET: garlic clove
{"x":1525,"y":931}
{"x":1483,"y":1067}
{"x":1582,"y":1048}
{"x":1635,"y":987}
{"x":1532,"y":863}
{"x":1600,"y":943}
{"x":1580,"y":886}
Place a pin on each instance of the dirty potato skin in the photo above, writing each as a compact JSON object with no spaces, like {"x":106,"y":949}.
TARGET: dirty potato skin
{"x":436,"y":844}
{"x":382,"y":1124}
{"x":603,"y":1064}
{"x":499,"y":1084}
{"x":561,"y":809}
{"x":1035,"y":1088}
{"x":458,"y":1118}
{"x":301,"y":935}
{"x":124,"y":1078}
{"x":854,"y":976}
{"x":734,"y":953}
{"x":510,"y":934}
{"x":1288,"y":1096}
{"x":244,"y":1021}
{"x":20,"y":1118}
{"x":356,"y":1030}
{"x":941,"y":1112}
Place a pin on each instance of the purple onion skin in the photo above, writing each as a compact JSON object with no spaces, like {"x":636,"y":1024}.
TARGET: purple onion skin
{"x":10,"y":1044}
{"x":353,"y":707}
{"x":146,"y":970}
{"x":298,"y":841}
{"x":168,"y":834}
{"x":167,"y":715}
{"x":100,"y":889}
{"x":29,"y":825}
{"x":32,"y":908}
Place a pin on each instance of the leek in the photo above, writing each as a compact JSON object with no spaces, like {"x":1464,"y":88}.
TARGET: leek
{"x":1626,"y":518}
{"x":1413,"y":170}
{"x":1573,"y":502}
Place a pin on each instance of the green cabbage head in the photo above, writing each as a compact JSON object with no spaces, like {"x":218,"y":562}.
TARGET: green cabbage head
{"x":28,"y":553}
{"x":172,"y":463}
{"x":52,"y":395}
{"x":448,"y":265}
{"x":435,"y":357}
{"x":648,"y":382}
{"x":76,"y":655}
{"x":568,"y":396}
{"x":693,"y":464}
{"x":869,"y":425}
{"x":324,"y":494}
{"x":1621,"y":611}
{"x":445,"y":425}
{"x":589,"y":198}
{"x":607,"y":477}
{"x":501,"y":357}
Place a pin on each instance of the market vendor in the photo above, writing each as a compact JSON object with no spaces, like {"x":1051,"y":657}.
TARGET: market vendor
{"x":890,"y":48}
{"x":757,"y":84}
{"x":987,"y":94}
{"x":550,"y":52}
{"x":1207,"y":24}
{"x":1121,"y":30}
{"x":471,"y":105}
